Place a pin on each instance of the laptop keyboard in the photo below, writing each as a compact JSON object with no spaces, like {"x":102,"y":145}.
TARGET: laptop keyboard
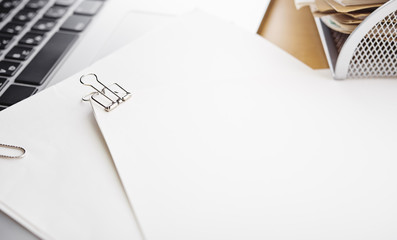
{"x":34,"y":37}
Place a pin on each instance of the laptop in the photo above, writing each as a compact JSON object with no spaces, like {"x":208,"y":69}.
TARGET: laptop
{"x":43,"y":42}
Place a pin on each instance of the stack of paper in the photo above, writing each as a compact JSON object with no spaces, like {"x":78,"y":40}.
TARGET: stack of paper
{"x":225,"y":137}
{"x":228,"y":137}
{"x":341,"y":15}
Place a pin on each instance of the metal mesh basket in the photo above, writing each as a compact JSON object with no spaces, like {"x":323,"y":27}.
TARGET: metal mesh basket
{"x":375,"y":55}
{"x":370,"y":51}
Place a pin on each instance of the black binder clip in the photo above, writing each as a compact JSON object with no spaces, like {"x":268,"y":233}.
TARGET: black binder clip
{"x":109,"y":97}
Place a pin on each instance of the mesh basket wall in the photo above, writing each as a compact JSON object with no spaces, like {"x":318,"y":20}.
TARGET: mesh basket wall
{"x":375,"y":56}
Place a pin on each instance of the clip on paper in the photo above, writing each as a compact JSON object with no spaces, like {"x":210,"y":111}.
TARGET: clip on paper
{"x":21,"y":151}
{"x":109,"y":97}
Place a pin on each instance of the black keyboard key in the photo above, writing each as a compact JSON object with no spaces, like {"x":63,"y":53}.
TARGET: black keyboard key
{"x":39,"y":68}
{"x":64,"y":2}
{"x":89,"y":8}
{"x":32,"y":39}
{"x":36,"y":4}
{"x":55,"y":12}
{"x":44,"y":25}
{"x":9,"y":4}
{"x":5,"y":41}
{"x":8,"y":68}
{"x":16,"y":93}
{"x":2,"y":108}
{"x":76,"y":23}
{"x":3,"y":82}
{"x":19,"y":53}
{"x":13,"y":28}
{"x":24,"y":16}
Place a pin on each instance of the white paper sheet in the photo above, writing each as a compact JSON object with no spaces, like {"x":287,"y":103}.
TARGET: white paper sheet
{"x":247,"y":14}
{"x":228,"y":137}
{"x":66,"y":187}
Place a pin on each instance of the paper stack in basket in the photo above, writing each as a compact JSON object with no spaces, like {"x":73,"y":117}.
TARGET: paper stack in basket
{"x":341,"y":15}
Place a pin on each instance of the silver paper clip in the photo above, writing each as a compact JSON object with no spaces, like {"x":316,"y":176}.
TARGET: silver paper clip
{"x":12,"y":147}
{"x":109,"y":97}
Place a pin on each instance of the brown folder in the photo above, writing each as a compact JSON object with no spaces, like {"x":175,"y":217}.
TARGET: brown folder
{"x":294,"y":31}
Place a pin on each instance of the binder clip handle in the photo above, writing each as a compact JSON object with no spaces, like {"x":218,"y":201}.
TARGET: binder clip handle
{"x":109,"y":97}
